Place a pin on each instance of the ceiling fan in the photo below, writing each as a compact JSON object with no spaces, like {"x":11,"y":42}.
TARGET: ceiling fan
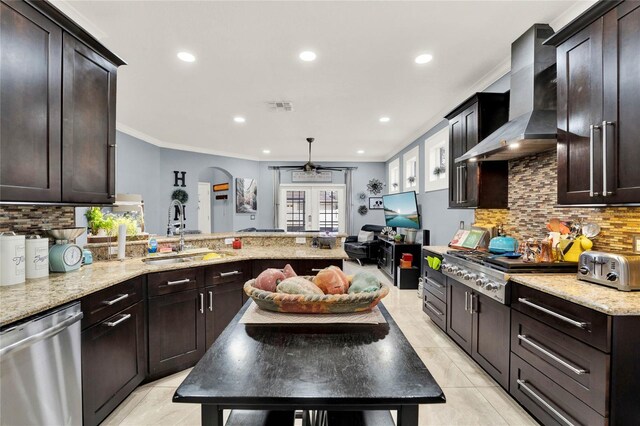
{"x":310,"y":167}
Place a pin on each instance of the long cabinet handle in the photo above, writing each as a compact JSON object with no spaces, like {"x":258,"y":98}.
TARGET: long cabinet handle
{"x":472,"y":298}
{"x":202,"y":303}
{"x":228,"y":274}
{"x":523,"y":385}
{"x":320,"y":269}
{"x":575,"y":323}
{"x":121,"y":320}
{"x":433,"y":308}
{"x":184,"y":281}
{"x":463,"y":181}
{"x":466,"y":301}
{"x":592,"y":131}
{"x":116,"y":300}
{"x":211,"y":301}
{"x":605,"y":192}
{"x":557,"y":358}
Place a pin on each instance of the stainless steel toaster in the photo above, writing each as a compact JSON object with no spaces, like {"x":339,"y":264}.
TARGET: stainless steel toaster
{"x":621,"y":271}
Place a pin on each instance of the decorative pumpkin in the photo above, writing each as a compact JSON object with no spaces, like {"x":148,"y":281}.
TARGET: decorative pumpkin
{"x":298,"y":285}
{"x":332,"y":280}
{"x":364,"y":282}
{"x":288,"y":271}
{"x":269,"y":279}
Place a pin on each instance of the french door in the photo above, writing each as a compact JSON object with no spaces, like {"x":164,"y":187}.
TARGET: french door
{"x":312,"y":208}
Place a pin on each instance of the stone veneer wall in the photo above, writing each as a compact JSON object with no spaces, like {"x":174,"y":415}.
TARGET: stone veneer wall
{"x":34,"y":219}
{"x":532,"y":202}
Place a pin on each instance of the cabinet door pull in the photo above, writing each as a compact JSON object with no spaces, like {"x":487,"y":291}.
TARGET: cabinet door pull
{"x":121,"y":320}
{"x":316,"y":269}
{"x":433,"y":308}
{"x":184,"y":281}
{"x":605,"y":192}
{"x":211,"y":301}
{"x":473,"y":298}
{"x":202,"y":303}
{"x":527,"y":389}
{"x":466,"y":301}
{"x":577,"y":370}
{"x":228,"y":274}
{"x":116,"y":300}
{"x":463,"y":181}
{"x":434,"y":283}
{"x":458,"y":179}
{"x":592,"y":131}
{"x":575,"y":323}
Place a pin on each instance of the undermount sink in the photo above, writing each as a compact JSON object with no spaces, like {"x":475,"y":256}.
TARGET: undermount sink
{"x":170,"y":260}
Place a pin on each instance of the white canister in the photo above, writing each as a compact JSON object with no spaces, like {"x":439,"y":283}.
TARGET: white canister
{"x":37,"y":253}
{"x":12,"y":259}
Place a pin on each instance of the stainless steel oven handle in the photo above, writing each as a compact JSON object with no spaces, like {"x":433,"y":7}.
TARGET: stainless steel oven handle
{"x":523,"y":385}
{"x":228,"y":274}
{"x":121,"y":320}
{"x":575,"y":323}
{"x":433,"y":308}
{"x":116,"y":300}
{"x":577,"y":370}
{"x":45,"y":334}
{"x":592,"y":131}
{"x":605,"y":192}
{"x":184,"y":281}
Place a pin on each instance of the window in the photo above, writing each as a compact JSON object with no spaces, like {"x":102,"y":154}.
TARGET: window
{"x":394,"y":176}
{"x":411,"y":167}
{"x":436,"y":160}
{"x":312,"y":207}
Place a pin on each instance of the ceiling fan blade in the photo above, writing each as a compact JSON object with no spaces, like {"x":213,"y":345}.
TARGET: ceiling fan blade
{"x":291,"y":167}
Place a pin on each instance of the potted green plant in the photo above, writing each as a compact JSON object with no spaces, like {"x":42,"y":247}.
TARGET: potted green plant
{"x":95,"y":221}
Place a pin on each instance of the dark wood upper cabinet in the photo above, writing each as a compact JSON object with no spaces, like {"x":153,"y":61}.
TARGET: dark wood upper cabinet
{"x":598,"y":105}
{"x":57,"y":133}
{"x":89,"y":122}
{"x":477,"y":184}
{"x":30,"y":111}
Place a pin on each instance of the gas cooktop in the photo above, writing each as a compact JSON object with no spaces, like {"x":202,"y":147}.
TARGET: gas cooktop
{"x":513,"y":265}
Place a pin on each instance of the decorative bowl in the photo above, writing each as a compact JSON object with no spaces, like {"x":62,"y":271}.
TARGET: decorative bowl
{"x":314,"y":304}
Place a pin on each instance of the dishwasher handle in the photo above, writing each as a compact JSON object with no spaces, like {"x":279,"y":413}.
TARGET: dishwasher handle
{"x":45,"y":334}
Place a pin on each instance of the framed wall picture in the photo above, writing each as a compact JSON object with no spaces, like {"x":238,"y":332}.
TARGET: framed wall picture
{"x":246,"y":195}
{"x":375,"y":203}
{"x":436,"y":153}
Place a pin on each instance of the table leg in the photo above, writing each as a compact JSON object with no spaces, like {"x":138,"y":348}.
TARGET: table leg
{"x":408,"y":415}
{"x":211,"y":415}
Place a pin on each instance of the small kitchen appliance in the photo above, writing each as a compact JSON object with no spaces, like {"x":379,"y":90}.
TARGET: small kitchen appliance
{"x":65,"y":256}
{"x":620,"y":271}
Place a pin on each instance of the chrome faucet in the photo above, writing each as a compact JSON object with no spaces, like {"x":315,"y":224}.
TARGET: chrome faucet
{"x":170,"y":224}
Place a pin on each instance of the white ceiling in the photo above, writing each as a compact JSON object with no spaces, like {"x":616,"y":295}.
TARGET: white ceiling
{"x":247,"y":55}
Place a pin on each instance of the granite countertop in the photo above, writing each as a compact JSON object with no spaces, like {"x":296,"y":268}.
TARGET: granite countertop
{"x":437,"y":249}
{"x":597,"y":297}
{"x":34,"y":296}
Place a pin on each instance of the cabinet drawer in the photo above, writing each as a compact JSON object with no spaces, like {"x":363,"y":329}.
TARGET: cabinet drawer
{"x":226,"y":273}
{"x":436,"y":288}
{"x":436,"y":309}
{"x":548,"y":402}
{"x":174,"y":281}
{"x":586,"y":325}
{"x":577,"y":367}
{"x":104,"y":303}
{"x":429,"y":272}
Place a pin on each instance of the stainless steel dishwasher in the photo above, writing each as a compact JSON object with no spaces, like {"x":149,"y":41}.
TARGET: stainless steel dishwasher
{"x":40,"y":375}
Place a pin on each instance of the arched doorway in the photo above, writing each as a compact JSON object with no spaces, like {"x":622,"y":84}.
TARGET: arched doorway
{"x":221,"y":209}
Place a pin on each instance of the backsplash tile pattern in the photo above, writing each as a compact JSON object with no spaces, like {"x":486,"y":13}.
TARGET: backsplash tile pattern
{"x":532,"y":199}
{"x":33,"y":219}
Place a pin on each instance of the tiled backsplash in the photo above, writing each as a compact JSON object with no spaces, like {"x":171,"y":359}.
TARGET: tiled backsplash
{"x":532,"y":200}
{"x":33,"y":219}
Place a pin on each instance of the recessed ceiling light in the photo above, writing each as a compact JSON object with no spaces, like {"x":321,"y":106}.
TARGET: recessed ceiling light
{"x":266,"y":151}
{"x":515,"y":145}
{"x":307,"y":56}
{"x":186,"y":56}
{"x":423,"y":59}
{"x":360,"y":151}
{"x":384,"y":119}
{"x":239,"y":119}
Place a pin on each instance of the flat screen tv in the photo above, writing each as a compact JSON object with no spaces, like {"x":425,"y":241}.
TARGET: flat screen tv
{"x":401,"y":210}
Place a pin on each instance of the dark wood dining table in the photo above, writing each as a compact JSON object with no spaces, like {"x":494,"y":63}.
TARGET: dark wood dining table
{"x":334,"y":367}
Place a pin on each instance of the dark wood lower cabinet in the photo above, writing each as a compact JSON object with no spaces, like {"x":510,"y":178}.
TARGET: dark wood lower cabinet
{"x":176,"y":331}
{"x":114,"y":362}
{"x":481,"y":327}
{"x":224,"y":302}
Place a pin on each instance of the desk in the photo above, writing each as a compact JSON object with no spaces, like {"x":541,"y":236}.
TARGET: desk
{"x":310,"y":367}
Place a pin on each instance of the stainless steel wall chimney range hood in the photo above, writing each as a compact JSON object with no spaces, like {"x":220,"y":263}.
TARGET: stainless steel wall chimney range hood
{"x":532,"y":125}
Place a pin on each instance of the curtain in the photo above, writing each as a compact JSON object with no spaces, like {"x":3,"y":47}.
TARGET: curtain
{"x":348,"y":201}
{"x":276,"y":197}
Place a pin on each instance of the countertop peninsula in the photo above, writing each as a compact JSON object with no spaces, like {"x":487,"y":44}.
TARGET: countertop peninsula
{"x":38,"y":295}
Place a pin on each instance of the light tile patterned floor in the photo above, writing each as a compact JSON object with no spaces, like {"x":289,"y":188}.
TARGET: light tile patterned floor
{"x":473,"y":398}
